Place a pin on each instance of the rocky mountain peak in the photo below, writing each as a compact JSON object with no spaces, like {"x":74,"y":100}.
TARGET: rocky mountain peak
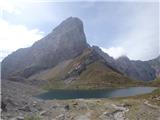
{"x":65,"y":42}
{"x":69,"y":24}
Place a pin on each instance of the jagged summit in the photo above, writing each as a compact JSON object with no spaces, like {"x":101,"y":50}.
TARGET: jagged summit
{"x":69,"y":24}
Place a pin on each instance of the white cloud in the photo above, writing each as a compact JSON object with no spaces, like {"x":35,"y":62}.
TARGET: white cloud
{"x":13,"y":37}
{"x":4,"y":53}
{"x":133,"y":26}
{"x":115,"y":52}
{"x":141,"y":40}
{"x":9,"y":7}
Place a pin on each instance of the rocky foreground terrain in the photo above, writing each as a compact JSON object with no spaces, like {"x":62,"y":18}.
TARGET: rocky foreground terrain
{"x":19,"y":103}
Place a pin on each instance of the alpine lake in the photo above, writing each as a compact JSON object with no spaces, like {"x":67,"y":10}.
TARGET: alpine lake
{"x":87,"y":94}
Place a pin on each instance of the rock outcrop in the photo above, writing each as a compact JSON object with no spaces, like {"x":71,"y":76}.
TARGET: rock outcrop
{"x":65,"y":42}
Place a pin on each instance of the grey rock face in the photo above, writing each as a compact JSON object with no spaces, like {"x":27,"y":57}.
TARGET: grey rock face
{"x":155,"y":64}
{"x":140,"y":70}
{"x":65,"y":42}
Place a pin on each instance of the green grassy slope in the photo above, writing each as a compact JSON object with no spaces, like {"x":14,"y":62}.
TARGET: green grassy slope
{"x":155,"y":83}
{"x":99,"y":76}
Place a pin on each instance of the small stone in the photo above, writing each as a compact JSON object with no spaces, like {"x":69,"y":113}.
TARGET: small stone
{"x":61,"y":117}
{"x":39,"y":109}
{"x":3,"y":106}
{"x":13,"y":118}
{"x":20,"y":118}
{"x":34,"y":105}
{"x":127,"y":105}
{"x":43,"y":112}
{"x":26,"y":108}
{"x":35,"y":102}
{"x":54,"y":107}
{"x":66,"y":107}
{"x":75,"y":104}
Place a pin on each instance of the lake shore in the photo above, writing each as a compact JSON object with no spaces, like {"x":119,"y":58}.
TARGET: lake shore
{"x":20,"y":105}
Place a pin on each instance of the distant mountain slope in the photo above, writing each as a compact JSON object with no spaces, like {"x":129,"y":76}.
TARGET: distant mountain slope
{"x":155,"y":64}
{"x":87,"y":71}
{"x":139,"y":70}
{"x":65,"y":42}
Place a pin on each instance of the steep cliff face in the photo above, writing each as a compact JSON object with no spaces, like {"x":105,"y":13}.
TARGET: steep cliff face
{"x":65,"y":42}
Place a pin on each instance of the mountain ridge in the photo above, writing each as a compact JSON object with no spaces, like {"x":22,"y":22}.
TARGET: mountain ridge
{"x":135,"y":69}
{"x":67,"y":42}
{"x":87,"y":71}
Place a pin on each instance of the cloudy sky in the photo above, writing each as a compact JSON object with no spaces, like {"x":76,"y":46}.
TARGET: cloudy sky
{"x":120,"y":27}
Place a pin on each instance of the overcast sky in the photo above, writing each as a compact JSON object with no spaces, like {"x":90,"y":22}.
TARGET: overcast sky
{"x":128,"y":28}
